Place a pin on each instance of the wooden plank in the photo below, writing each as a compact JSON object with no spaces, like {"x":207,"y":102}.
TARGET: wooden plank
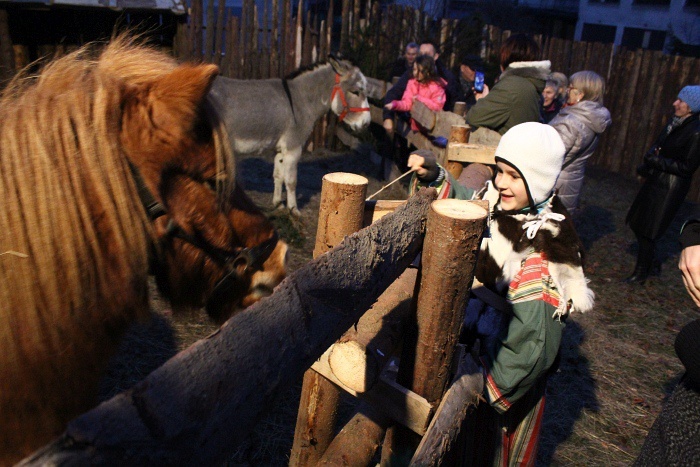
{"x":417,"y":139}
{"x":444,"y":121}
{"x":346,"y":138}
{"x":469,"y":152}
{"x":376,"y":209}
{"x":423,"y":115}
{"x":376,"y":114}
{"x":401,"y":404}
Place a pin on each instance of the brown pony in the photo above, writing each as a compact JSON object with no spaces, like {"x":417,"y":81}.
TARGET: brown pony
{"x":110,"y":158}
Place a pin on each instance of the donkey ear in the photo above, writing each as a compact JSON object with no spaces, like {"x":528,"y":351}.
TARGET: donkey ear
{"x":338,"y":66}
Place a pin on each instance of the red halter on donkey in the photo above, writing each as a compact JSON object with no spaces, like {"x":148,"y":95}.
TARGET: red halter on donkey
{"x":78,"y":145}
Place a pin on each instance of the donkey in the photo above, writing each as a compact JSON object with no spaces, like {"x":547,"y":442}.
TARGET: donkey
{"x":280,"y":114}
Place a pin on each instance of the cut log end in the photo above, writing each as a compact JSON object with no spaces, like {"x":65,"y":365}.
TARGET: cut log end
{"x":459,"y":209}
{"x":352,"y":366}
{"x":343,"y":178}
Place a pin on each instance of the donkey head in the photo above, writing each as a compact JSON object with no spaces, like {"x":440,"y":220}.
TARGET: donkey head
{"x":349,"y":97}
{"x":214,"y":247}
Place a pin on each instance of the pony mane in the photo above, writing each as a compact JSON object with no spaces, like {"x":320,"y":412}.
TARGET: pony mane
{"x":72,"y":221}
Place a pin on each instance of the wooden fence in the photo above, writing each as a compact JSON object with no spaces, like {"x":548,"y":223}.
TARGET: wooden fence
{"x":641,"y":84}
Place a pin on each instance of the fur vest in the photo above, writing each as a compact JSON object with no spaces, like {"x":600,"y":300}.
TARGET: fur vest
{"x":514,"y":236}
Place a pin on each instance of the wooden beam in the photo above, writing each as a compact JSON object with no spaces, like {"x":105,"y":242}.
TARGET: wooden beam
{"x":423,"y":115}
{"x":358,"y":441}
{"x":376,"y":209}
{"x":376,"y":114}
{"x":400,"y":404}
{"x":346,"y":138}
{"x":213,"y":393}
{"x":358,"y":357}
{"x":469,"y":152}
{"x":463,"y":394}
{"x":340,"y":214}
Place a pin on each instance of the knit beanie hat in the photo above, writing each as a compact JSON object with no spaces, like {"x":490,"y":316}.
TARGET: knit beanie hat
{"x":691,"y":96}
{"x":536,"y":151}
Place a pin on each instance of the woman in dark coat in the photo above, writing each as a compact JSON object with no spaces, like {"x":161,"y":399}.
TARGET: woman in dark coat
{"x":667,"y":169}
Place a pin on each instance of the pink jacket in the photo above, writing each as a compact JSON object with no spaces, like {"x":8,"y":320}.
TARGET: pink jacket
{"x":431,"y":94}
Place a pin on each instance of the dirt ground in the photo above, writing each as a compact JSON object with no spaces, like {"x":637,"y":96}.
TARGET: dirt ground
{"x":617,"y":362}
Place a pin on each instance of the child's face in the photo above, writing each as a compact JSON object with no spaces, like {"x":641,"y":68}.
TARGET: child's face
{"x":418,"y":73}
{"x":511,"y":187}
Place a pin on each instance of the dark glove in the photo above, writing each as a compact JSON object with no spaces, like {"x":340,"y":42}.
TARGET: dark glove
{"x":430,"y":164}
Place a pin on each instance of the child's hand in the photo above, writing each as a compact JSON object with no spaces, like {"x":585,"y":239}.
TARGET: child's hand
{"x":389,"y":106}
{"x":425,"y":165}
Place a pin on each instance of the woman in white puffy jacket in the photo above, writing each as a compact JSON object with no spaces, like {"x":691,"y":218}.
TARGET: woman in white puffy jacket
{"x":580,"y":124}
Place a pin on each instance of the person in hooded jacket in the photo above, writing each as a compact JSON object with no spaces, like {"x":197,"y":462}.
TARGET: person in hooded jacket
{"x":515,"y":98}
{"x":530,"y":270}
{"x":674,"y":438}
{"x":667,"y":172}
{"x":580,"y":125}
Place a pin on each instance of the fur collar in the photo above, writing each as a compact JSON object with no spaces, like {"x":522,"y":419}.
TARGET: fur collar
{"x":531,"y":70}
{"x":507,"y":245}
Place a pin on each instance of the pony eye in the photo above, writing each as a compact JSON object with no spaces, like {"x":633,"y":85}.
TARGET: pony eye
{"x":211,"y":184}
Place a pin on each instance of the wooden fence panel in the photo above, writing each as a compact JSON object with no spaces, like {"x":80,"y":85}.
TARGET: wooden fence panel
{"x":640,"y":84}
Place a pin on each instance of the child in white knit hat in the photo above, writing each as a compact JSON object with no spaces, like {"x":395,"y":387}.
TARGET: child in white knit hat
{"x":530,"y":277}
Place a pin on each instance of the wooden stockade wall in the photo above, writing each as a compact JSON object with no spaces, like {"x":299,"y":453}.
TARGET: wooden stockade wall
{"x":641,"y":84}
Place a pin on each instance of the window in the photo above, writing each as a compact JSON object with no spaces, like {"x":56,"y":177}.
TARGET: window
{"x":598,"y":33}
{"x":652,"y":2}
{"x":637,"y":38}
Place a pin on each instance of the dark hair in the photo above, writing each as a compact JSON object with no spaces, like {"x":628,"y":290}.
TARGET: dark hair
{"x":472,"y":61}
{"x":433,"y":43}
{"x":518,"y":48}
{"x":427,"y":65}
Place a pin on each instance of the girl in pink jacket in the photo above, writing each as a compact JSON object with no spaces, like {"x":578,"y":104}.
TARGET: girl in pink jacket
{"x":425,"y":86}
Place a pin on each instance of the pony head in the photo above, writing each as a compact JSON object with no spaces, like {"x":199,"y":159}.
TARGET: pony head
{"x":349,"y":96}
{"x":213,"y":246}
{"x":110,"y":158}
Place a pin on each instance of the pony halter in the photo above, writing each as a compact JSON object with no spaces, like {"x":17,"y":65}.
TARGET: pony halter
{"x":235,"y":263}
{"x":346,"y":108}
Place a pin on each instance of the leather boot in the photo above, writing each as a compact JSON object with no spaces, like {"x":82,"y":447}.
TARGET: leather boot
{"x":645,"y":261}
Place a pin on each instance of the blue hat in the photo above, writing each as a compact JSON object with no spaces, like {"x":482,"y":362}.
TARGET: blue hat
{"x":691,"y":96}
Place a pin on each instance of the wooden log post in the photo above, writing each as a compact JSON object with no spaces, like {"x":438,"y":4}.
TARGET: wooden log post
{"x":213,"y":393}
{"x":358,"y":441}
{"x":458,"y":134}
{"x":358,"y":357}
{"x":341,"y":213}
{"x":448,"y":262}
{"x":462,"y":395}
{"x":460,"y":108}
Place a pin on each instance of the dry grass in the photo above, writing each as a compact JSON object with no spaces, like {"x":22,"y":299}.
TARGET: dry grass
{"x":617,"y":361}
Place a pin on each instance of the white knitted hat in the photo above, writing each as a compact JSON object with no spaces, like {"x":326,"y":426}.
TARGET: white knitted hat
{"x":537,"y":152}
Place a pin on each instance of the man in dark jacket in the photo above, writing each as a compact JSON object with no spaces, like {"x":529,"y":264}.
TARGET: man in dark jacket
{"x":667,"y":172}
{"x":515,"y":98}
{"x":468,"y":67}
{"x":674,"y":439}
{"x":405,"y":63}
{"x":397,"y":90}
